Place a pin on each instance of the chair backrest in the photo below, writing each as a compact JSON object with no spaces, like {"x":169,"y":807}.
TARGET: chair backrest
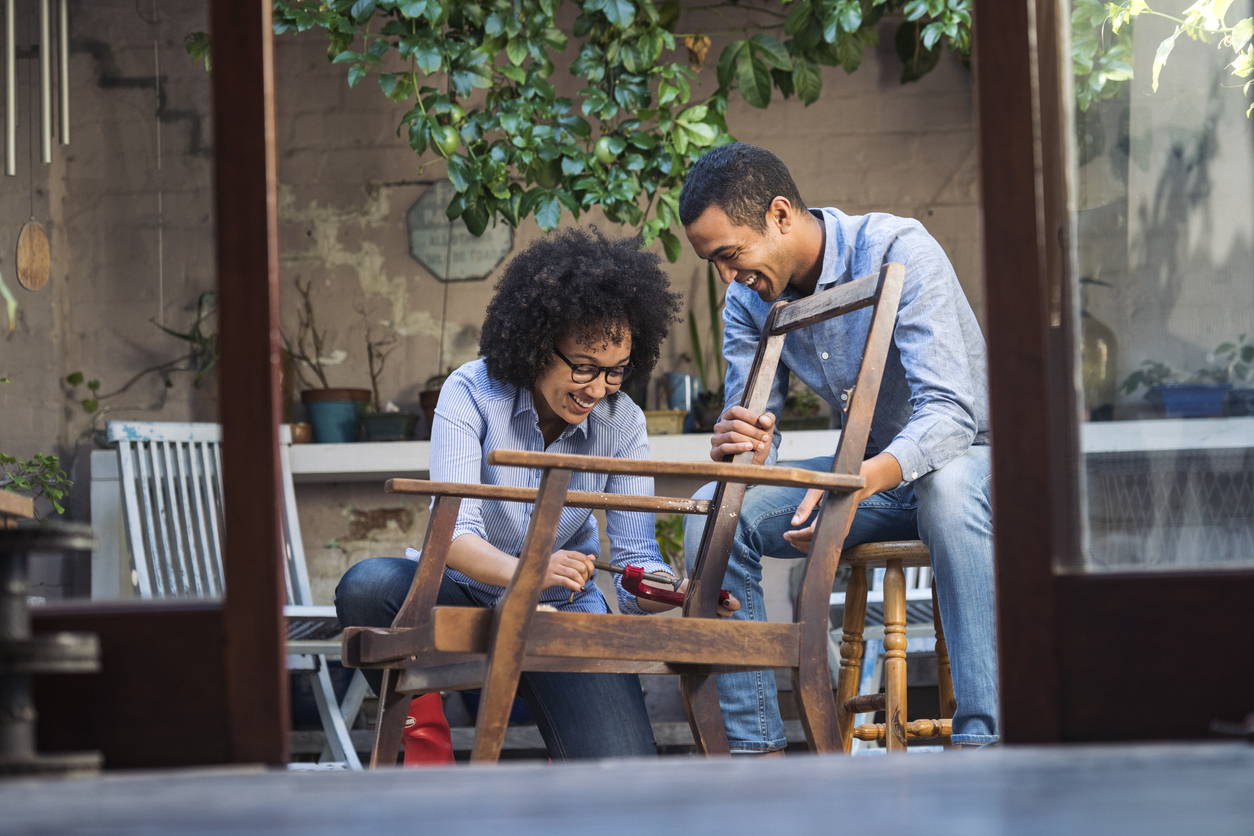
{"x":880,"y":292}
{"x":171,"y":475}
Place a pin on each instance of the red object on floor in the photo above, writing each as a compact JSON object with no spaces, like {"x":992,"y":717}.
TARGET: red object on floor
{"x":427,"y":739}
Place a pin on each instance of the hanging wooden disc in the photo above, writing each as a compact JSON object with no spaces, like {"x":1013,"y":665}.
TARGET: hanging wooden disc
{"x":34,"y":262}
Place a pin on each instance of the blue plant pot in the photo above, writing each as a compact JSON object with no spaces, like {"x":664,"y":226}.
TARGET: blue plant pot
{"x":1190,"y":400}
{"x":335,"y":413}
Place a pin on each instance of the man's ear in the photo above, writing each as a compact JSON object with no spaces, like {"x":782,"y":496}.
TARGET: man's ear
{"x":780,"y":213}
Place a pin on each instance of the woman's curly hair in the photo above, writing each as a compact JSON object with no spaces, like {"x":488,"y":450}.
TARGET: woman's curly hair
{"x":576,"y":283}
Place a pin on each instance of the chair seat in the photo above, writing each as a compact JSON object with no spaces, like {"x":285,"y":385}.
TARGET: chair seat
{"x":911,"y":553}
{"x":311,"y":623}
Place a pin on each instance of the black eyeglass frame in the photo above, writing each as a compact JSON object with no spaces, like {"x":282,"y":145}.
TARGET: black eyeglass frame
{"x":627,"y":369}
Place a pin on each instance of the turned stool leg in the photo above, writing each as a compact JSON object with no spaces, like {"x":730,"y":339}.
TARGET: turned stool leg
{"x":895,"y":656}
{"x":944,"y":679}
{"x":852,"y":648}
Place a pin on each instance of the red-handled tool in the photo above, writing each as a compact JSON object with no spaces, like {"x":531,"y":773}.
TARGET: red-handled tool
{"x":633,"y":577}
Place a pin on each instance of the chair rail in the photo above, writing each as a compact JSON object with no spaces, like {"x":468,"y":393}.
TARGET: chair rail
{"x":576,"y":499}
{"x":788,"y":477}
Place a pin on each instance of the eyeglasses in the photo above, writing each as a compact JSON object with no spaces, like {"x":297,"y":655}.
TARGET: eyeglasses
{"x":586,"y":372}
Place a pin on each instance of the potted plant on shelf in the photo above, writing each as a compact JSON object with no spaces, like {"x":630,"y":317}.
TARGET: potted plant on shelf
{"x":383,"y":422}
{"x":708,"y":404}
{"x":334,"y":413}
{"x":801,"y":408}
{"x":1202,"y":394}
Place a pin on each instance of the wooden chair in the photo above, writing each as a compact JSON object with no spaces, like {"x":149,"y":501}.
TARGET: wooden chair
{"x":896,"y":559}
{"x":172,"y":505}
{"x":431,"y":648}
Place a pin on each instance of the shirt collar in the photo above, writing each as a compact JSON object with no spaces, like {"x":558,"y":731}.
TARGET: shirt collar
{"x":833,"y":257}
{"x":525,"y":404}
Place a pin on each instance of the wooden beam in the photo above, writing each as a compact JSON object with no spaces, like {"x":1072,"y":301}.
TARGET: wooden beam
{"x":248,"y":303}
{"x":1015,"y":279}
{"x":747,"y":474}
{"x":574,"y":499}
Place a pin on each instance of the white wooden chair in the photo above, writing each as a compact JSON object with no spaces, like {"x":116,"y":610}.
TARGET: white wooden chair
{"x":172,"y":504}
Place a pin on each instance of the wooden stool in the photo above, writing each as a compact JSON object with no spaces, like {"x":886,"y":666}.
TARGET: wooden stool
{"x":894,"y":558}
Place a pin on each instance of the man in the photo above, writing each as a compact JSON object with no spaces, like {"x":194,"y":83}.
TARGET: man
{"x":927,"y":467}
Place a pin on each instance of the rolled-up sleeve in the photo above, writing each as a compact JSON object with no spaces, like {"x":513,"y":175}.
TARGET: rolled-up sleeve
{"x":929,"y":336}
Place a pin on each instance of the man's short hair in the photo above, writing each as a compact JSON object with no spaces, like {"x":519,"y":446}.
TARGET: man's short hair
{"x":740,"y":179}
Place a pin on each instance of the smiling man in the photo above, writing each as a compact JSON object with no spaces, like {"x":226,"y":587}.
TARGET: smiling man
{"x":927,"y":466}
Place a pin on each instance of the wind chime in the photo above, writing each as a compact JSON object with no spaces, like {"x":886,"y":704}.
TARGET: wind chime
{"x":33,"y":256}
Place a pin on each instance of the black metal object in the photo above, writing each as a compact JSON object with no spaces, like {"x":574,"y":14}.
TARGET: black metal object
{"x":23,"y":655}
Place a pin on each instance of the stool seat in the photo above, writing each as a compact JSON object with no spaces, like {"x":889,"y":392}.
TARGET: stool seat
{"x":893,"y":558}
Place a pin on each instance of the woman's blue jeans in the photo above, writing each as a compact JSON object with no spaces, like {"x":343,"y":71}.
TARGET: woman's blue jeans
{"x":579,"y":715}
{"x":950,"y":511}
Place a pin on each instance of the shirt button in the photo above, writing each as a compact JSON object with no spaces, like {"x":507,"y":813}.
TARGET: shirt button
{"x":824,"y":355}
{"x":844,"y":396}
{"x":914,"y":474}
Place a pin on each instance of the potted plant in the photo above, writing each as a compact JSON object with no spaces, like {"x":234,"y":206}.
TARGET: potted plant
{"x":801,"y":408}
{"x":1202,"y":394}
{"x":334,"y":413}
{"x":383,"y":422}
{"x":708,"y":404}
{"x":39,"y":477}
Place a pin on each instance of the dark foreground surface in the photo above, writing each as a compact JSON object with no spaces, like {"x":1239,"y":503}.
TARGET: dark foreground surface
{"x":1141,"y":789}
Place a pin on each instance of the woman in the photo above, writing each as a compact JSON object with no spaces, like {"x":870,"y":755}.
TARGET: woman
{"x":572,"y":318}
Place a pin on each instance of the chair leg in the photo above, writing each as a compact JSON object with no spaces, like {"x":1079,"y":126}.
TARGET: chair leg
{"x":705,"y":716}
{"x":895,"y":656}
{"x":357,"y":692}
{"x":338,"y":738}
{"x":390,"y":722}
{"x":852,"y":649}
{"x":944,"y":679}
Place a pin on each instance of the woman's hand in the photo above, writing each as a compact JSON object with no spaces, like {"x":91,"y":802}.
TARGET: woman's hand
{"x":724,"y":611}
{"x":569,"y":569}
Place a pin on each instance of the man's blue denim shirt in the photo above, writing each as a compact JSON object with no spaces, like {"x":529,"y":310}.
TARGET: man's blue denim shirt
{"x":933,"y":401}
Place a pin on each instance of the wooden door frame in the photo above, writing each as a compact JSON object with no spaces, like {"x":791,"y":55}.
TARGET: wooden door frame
{"x":1082,"y":656}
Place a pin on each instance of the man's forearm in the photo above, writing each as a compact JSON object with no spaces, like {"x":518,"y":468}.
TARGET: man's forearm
{"x":882,"y":473}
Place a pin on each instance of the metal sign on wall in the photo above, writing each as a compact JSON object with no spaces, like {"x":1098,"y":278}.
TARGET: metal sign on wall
{"x":446,"y":248}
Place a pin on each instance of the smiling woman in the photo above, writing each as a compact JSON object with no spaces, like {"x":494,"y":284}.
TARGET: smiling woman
{"x":573,"y":316}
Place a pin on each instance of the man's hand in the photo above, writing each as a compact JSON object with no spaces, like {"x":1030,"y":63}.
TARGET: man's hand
{"x":569,"y":569}
{"x":724,"y":611}
{"x":882,"y":473}
{"x":738,"y":431}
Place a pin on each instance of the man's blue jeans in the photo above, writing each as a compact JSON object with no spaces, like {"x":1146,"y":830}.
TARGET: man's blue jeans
{"x":949,"y":510}
{"x":579,"y":715}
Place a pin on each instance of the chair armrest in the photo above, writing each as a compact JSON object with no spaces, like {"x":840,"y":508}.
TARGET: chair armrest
{"x":575,"y":499}
{"x":749,"y":474}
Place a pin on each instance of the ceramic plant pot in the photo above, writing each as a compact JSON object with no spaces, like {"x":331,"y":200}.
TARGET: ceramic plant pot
{"x":335,"y":413}
{"x":388,"y":426}
{"x":1190,"y":400}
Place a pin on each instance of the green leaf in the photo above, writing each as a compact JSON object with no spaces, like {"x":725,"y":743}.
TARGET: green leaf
{"x":362,"y":9}
{"x":807,"y":79}
{"x":355,"y":74}
{"x":515,"y":74}
{"x":475,"y":218}
{"x":620,"y":12}
{"x":93,"y":385}
{"x":753,"y":78}
{"x":90,"y":405}
{"x":773,"y":51}
{"x":798,"y":17}
{"x":548,"y":213}
{"x":459,"y":173}
{"x":1241,"y":35}
{"x":516,"y":51}
{"x":74,"y":379}
{"x":670,"y":243}
{"x":428,"y":57}
{"x":731,"y":54}
{"x":851,"y":16}
{"x":1160,"y":57}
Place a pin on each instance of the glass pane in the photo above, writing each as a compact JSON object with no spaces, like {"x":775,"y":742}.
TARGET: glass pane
{"x":1161,"y":184}
{"x":124,"y":327}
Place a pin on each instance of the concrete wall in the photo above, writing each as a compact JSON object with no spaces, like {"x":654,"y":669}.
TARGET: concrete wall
{"x":129,"y":210}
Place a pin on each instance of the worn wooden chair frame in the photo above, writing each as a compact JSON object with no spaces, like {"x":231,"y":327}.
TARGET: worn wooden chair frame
{"x":430,"y":648}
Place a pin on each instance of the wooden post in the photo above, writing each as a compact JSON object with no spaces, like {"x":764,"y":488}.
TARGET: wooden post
{"x":895,"y":655}
{"x":248,"y":306}
{"x":852,"y":649}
